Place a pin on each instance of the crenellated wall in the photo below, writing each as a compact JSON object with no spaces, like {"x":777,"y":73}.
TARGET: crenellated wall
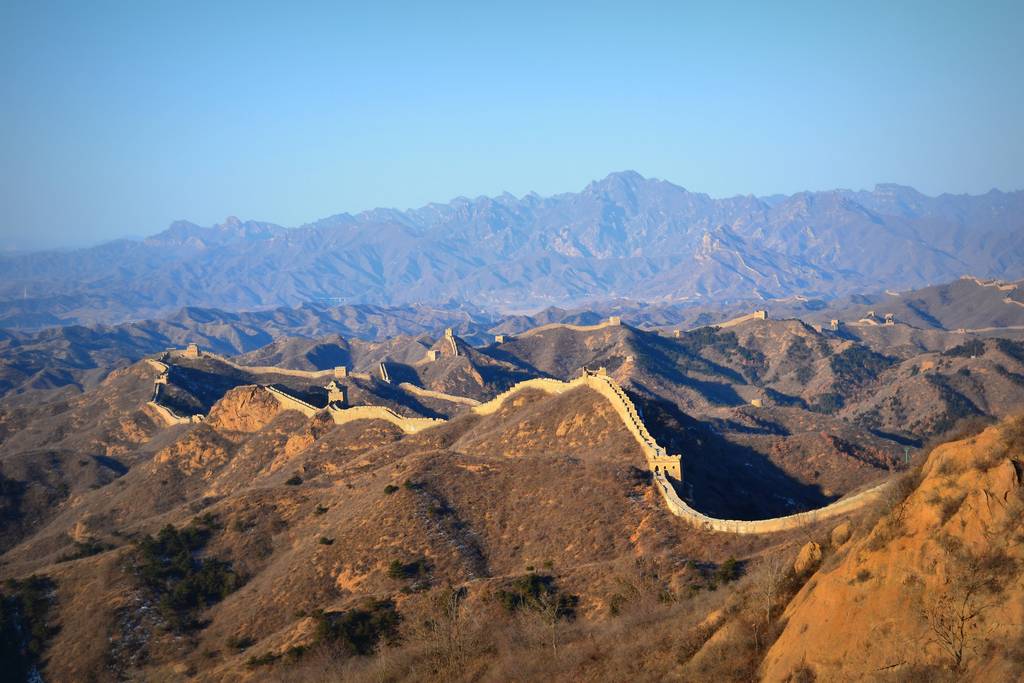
{"x":157,"y":365}
{"x":289,"y":402}
{"x":661,"y":463}
{"x":756,"y":315}
{"x":429,"y":393}
{"x":169,"y":418}
{"x":613,"y":321}
{"x":337,"y":372}
{"x":550,"y":386}
{"x":763,"y":526}
{"x":409,"y":425}
{"x":658,"y":460}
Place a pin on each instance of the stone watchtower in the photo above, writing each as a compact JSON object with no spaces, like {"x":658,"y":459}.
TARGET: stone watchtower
{"x":449,"y":335}
{"x":335,"y":393}
{"x":191,"y":350}
{"x":670,"y":465}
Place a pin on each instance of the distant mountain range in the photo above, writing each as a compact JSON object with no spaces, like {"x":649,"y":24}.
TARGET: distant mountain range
{"x":625,"y":236}
{"x":77,"y":357}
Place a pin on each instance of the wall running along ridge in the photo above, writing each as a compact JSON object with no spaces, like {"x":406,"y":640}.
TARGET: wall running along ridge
{"x":409,"y":425}
{"x":654,"y":453}
{"x":164,"y":413}
{"x":429,"y":393}
{"x":657,"y":458}
{"x":271,"y":369}
{"x":611,"y":322}
{"x":756,"y":315}
{"x":169,"y":418}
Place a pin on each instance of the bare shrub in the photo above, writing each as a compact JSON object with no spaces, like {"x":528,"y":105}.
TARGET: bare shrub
{"x":955,"y":611}
{"x":771,"y":574}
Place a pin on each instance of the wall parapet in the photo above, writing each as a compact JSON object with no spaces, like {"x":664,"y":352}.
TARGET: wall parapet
{"x":756,"y":315}
{"x":613,"y":321}
{"x":409,"y":425}
{"x":658,"y":460}
{"x":679,"y":508}
{"x":289,"y":402}
{"x":430,"y":393}
{"x":336,"y":372}
{"x":169,"y":418}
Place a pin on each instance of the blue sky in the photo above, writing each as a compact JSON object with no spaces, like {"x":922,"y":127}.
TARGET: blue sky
{"x":118,"y":118}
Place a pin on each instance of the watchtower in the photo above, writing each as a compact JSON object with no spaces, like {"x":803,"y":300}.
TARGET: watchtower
{"x":341,"y":371}
{"x":614,"y":320}
{"x":669,"y":465}
{"x":335,"y":393}
{"x":191,"y":350}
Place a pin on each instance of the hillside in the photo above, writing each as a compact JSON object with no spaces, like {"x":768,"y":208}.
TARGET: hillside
{"x":933,"y":586}
{"x":289,"y":515}
{"x":625,"y":236}
{"x":77,"y":357}
{"x":486,"y":498}
{"x":67,"y":360}
{"x":967,"y":303}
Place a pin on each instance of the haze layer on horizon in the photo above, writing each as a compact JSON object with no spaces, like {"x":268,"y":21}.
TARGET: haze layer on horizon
{"x":121,"y":118}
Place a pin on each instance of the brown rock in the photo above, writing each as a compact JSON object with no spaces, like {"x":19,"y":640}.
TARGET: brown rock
{"x":808,"y":559}
{"x":840,"y":535}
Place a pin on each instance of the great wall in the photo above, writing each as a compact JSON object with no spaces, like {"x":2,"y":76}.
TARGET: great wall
{"x":661,"y":464}
{"x":756,"y":315}
{"x":613,"y":321}
{"x":163,"y":413}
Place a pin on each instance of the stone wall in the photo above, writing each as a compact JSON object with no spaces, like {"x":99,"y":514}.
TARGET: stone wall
{"x":338,"y":372}
{"x":165,"y":415}
{"x":409,"y":425}
{"x":762,"y":526}
{"x":451,"y":398}
{"x":756,"y":315}
{"x":661,"y":463}
{"x":614,"y":321}
{"x":658,"y":460}
{"x":289,"y":402}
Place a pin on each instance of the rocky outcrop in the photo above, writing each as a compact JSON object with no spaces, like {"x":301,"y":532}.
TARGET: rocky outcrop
{"x":245,"y":409}
{"x":933,"y":586}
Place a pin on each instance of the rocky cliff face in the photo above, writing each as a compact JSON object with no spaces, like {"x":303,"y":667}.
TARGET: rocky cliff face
{"x":934,"y":587}
{"x":244,"y":409}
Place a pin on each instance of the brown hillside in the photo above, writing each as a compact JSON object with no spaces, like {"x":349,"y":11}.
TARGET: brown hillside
{"x":545,"y":481}
{"x":934,"y":585}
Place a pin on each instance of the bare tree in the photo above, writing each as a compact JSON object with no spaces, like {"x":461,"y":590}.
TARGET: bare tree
{"x":955,"y":611}
{"x":448,"y":629}
{"x":771,"y":572}
{"x":548,"y":607}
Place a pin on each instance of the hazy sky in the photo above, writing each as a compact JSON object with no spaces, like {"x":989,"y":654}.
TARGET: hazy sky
{"x":118,"y":118}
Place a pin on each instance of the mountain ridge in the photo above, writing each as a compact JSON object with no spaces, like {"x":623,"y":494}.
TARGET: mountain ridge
{"x":622,"y":236}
